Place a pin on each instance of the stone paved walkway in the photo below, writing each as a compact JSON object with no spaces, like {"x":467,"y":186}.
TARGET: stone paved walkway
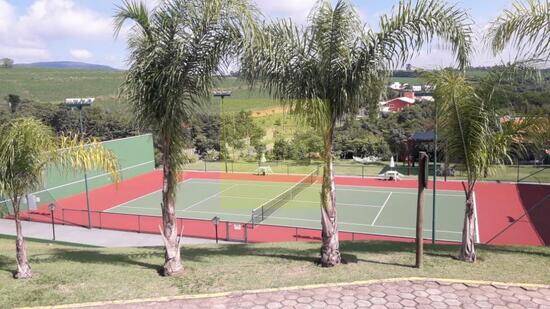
{"x":396,"y":294}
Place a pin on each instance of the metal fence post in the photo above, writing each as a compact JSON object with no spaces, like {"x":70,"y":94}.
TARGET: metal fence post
{"x":362,"y":171}
{"x":517,"y":173}
{"x":205,"y":165}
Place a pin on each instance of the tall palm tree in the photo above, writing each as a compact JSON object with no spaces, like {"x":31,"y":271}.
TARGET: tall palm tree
{"x":321,"y":71}
{"x":175,"y":51}
{"x":526,"y":26}
{"x":27,"y":149}
{"x":476,"y":136}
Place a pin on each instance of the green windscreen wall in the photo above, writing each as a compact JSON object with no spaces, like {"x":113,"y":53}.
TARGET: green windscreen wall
{"x":135,"y":155}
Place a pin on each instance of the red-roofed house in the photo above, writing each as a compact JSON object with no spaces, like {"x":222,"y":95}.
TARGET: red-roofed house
{"x":397,"y":104}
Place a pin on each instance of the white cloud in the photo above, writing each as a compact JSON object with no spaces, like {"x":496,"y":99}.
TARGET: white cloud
{"x":29,"y":36}
{"x":298,"y":10}
{"x":81,"y":54}
{"x":7,"y":14}
{"x":13,"y":45}
{"x":59,"y":19}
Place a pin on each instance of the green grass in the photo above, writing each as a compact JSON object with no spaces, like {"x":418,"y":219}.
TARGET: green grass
{"x":54,"y":85}
{"x":69,"y":274}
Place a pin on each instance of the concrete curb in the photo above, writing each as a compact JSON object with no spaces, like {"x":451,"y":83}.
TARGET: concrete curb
{"x":292,"y":288}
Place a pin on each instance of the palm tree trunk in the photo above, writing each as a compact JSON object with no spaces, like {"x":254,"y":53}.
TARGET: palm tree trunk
{"x":330,"y":249}
{"x":172,"y":257}
{"x":467,"y":250}
{"x":23,"y":266}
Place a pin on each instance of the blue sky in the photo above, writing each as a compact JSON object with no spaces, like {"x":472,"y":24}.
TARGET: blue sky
{"x":81,"y":30}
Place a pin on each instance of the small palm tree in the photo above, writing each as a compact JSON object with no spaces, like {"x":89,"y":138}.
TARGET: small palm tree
{"x":476,"y":136}
{"x":27,"y":149}
{"x":175,"y":52}
{"x":323,"y":71}
{"x":526,"y":26}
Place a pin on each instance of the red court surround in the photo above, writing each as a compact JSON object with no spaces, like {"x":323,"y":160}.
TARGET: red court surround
{"x":499,"y":206}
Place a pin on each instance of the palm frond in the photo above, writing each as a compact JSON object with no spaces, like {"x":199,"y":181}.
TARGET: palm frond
{"x":133,"y":10}
{"x":28,"y":148}
{"x":81,"y":154}
{"x":172,"y":72}
{"x":24,"y":145}
{"x":411,"y":26}
{"x":526,"y":26}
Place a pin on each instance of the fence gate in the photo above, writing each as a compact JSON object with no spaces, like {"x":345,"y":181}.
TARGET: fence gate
{"x":237,"y":231}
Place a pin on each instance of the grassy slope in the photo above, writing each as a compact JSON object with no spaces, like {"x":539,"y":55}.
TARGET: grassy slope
{"x":54,"y":85}
{"x":69,"y":274}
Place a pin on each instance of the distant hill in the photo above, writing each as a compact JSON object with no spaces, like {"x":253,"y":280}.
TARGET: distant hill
{"x":66,"y":65}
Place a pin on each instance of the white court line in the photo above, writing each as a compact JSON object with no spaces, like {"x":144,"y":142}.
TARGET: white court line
{"x":299,"y":219}
{"x":382,"y":208}
{"x":141,"y":196}
{"x":301,"y":201}
{"x":476,"y":224}
{"x":367,"y":189}
{"x":151,"y":193}
{"x":397,"y":192}
{"x":209,"y":198}
{"x":339,"y":222}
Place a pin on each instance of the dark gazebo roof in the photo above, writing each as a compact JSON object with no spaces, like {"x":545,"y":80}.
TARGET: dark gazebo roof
{"x":427,"y":136}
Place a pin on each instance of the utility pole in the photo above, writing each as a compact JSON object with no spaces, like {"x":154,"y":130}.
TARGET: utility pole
{"x":222,"y":94}
{"x":435,"y":173}
{"x":80,"y":103}
{"x":422,"y":184}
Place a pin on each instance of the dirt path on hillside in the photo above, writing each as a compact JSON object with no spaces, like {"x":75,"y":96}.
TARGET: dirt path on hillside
{"x":268,"y":111}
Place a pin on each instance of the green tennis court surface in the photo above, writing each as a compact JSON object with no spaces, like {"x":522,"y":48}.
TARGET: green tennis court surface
{"x":373,"y":210}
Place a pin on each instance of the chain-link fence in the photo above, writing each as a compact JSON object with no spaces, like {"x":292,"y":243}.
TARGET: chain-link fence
{"x":508,"y":173}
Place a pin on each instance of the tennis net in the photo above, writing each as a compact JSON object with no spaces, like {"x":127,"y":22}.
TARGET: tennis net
{"x":260,"y":213}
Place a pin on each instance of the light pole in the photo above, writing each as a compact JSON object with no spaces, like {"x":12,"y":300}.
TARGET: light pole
{"x":435,"y":173}
{"x":222,"y":94}
{"x":80,"y":103}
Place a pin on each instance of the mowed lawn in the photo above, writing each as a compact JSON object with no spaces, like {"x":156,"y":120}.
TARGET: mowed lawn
{"x":70,"y":274}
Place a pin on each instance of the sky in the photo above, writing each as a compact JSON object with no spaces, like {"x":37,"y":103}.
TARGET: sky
{"x":81,"y":30}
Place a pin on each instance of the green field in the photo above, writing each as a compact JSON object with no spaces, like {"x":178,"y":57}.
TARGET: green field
{"x":379,"y":211}
{"x":71,"y":274}
{"x":54,"y":85}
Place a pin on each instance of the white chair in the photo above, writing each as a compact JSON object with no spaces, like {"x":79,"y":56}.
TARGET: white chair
{"x":264,"y":170}
{"x":391,"y":175}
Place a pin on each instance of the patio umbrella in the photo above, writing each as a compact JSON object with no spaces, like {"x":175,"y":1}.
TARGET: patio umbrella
{"x":392,"y":163}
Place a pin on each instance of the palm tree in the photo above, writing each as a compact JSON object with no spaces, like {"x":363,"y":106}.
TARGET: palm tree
{"x":27,"y":149}
{"x":321,"y":71}
{"x":175,"y":52}
{"x":526,"y":26}
{"x":476,"y":136}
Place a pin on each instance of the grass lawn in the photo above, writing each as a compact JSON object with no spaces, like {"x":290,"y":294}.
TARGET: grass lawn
{"x":69,"y":274}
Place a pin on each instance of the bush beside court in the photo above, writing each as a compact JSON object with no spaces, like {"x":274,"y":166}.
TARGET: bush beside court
{"x":70,"y":274}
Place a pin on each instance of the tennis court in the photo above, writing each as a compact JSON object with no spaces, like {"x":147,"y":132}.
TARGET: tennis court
{"x":371,"y":210}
